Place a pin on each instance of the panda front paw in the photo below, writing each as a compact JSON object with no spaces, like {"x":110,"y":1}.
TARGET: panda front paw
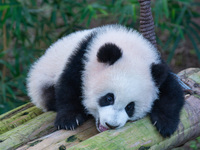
{"x":70,"y":120}
{"x":165,"y":125}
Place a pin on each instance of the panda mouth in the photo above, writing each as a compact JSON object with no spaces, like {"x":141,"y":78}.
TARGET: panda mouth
{"x":100,"y":127}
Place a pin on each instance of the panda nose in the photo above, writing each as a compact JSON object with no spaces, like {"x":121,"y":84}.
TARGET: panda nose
{"x":110,"y":126}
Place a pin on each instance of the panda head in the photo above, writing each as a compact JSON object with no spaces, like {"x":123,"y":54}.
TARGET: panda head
{"x":117,"y":81}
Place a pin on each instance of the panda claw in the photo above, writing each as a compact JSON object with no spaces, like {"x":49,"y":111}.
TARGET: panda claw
{"x":77,"y":122}
{"x":154,"y":123}
{"x":69,"y":121}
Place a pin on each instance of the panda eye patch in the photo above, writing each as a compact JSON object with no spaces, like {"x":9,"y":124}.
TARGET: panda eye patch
{"x":106,"y":100}
{"x":130,"y":109}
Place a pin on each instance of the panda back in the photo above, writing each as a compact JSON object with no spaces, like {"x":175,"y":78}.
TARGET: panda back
{"x":45,"y":72}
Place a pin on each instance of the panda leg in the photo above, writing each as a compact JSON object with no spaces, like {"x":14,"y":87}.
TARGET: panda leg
{"x":165,"y":113}
{"x":70,"y":111}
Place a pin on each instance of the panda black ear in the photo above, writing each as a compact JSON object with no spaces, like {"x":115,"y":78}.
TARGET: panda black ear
{"x":109,"y":53}
{"x":159,"y":73}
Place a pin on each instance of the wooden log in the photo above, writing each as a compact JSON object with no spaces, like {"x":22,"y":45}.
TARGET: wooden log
{"x":140,"y":134}
{"x":18,"y":116}
{"x":62,"y":138}
{"x":35,"y":128}
{"x":16,"y":110}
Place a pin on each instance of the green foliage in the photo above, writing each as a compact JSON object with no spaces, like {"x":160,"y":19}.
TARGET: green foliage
{"x":27,"y":28}
{"x":179,"y":22}
{"x":195,"y":144}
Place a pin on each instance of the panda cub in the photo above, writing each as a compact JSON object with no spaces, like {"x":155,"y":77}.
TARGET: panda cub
{"x":112,"y":73}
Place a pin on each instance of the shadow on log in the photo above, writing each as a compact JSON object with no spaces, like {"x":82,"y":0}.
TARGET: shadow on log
{"x":20,"y":129}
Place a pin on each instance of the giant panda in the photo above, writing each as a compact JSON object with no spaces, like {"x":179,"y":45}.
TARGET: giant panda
{"x":112,"y":73}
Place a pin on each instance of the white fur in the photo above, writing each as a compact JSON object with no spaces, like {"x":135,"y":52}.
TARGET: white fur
{"x":46,"y":70}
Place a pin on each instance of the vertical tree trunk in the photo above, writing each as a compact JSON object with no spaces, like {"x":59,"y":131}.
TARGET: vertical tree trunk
{"x":146,"y":21}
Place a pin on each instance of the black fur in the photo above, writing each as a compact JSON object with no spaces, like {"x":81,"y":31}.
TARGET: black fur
{"x":165,"y":113}
{"x":68,"y":91}
{"x":106,"y":100}
{"x":109,"y":53}
{"x":49,"y":96}
{"x":159,"y":72}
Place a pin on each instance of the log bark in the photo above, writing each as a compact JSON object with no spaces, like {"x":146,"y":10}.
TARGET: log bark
{"x":18,"y":116}
{"x":39,"y":132}
{"x":32,"y":129}
{"x":62,"y":139}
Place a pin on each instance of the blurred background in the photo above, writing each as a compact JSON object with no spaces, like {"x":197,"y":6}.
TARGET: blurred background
{"x":28,"y":28}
